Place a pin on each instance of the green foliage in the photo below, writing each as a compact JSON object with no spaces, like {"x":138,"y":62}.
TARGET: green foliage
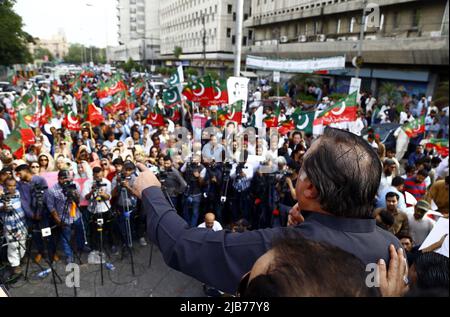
{"x":177,"y":51}
{"x":337,"y":96}
{"x":389,"y":92}
{"x":441,"y":95}
{"x":131,"y":66}
{"x":165,"y":71}
{"x":79,"y":53}
{"x":40,"y":53}
{"x":190,"y":72}
{"x":213,"y":74}
{"x":13,"y":40}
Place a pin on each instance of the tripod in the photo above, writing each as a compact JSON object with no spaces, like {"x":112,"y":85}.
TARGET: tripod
{"x":66,"y":215}
{"x":100,"y":222}
{"x":127,"y":215}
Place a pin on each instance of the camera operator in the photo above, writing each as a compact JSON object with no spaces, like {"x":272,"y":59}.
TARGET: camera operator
{"x":98,"y":193}
{"x":126,"y":203}
{"x":241,"y":174}
{"x":33,"y":191}
{"x":212,"y":188}
{"x":62,"y":201}
{"x":286,"y":198}
{"x":194,"y":173}
{"x":172,"y":180}
{"x":14,"y":224}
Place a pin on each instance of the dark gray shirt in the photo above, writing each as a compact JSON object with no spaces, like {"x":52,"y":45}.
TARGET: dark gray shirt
{"x":221,"y":259}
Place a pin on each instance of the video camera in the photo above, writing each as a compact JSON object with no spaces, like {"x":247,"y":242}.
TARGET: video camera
{"x":70,"y":190}
{"x":6,"y":200}
{"x":39,"y":194}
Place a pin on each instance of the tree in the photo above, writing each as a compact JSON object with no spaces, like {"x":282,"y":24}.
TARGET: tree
{"x":177,"y":51}
{"x":132,"y":66}
{"x":389,"y":92}
{"x":80,"y":54}
{"x":441,"y":96}
{"x":13,"y":40}
{"x":41,"y":52}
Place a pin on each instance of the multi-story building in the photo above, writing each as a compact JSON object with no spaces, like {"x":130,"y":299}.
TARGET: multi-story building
{"x":57,"y":45}
{"x":204,"y":29}
{"x":139,"y":31}
{"x":410,"y":46}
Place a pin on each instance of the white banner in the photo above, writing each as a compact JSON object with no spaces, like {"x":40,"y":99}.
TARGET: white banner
{"x":296,"y":66}
{"x":238,"y":90}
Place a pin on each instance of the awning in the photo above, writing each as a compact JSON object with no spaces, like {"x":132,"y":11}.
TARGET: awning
{"x":249,"y":74}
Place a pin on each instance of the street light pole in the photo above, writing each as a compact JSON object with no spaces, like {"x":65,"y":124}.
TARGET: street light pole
{"x":239,"y":26}
{"x":361,"y":37}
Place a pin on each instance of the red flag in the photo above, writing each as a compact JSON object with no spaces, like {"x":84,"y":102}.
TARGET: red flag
{"x":94,"y":114}
{"x":156,"y":118}
{"x":71,"y":123}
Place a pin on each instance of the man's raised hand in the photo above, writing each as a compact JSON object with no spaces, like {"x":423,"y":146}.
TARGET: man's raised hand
{"x":145,"y":180}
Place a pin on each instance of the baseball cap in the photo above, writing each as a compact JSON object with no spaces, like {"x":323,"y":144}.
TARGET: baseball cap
{"x":424,"y":205}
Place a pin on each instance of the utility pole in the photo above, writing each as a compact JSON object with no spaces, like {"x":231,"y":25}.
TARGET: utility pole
{"x":361,"y":39}
{"x":239,"y":26}
{"x":204,"y":43}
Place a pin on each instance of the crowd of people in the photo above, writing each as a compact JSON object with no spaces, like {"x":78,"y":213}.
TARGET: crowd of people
{"x":82,"y":180}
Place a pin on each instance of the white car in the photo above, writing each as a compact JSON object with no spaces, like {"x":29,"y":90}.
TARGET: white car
{"x":158,"y":86}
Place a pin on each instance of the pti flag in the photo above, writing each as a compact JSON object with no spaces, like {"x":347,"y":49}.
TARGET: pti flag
{"x":415,"y":128}
{"x":343,"y":111}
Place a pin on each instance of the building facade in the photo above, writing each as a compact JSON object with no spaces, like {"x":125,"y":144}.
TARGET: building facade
{"x":409,"y":47}
{"x":138,"y":31}
{"x":57,"y":45}
{"x":204,"y":29}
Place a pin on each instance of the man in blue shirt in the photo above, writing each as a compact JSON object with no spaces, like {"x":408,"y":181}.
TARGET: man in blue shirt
{"x":33,"y":193}
{"x":337,"y":185}
{"x":416,"y":156}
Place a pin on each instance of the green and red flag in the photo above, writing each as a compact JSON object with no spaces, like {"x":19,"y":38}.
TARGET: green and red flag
{"x":94,"y":114}
{"x":103,"y":90}
{"x":343,"y":111}
{"x":173,"y":112}
{"x":304,"y":121}
{"x":139,"y":88}
{"x":21,"y":137}
{"x":220,"y":92}
{"x":72,"y":122}
{"x":172,"y":97}
{"x":156,"y":117}
{"x":415,"y":127}
{"x":220,"y":117}
{"x":286,"y":126}
{"x":77,"y":89}
{"x":200,"y":91}
{"x":235,"y":113}
{"x":118,"y":103}
{"x":46,"y":113}
{"x":440,"y":145}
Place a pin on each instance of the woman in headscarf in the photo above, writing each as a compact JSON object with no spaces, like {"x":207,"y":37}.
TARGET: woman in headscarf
{"x":46,"y":163}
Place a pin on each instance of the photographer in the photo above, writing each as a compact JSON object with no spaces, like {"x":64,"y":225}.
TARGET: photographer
{"x":212,"y":188}
{"x":194,"y":173}
{"x":98,"y":193}
{"x":62,"y":201}
{"x":33,"y":194}
{"x":172,"y":180}
{"x":14,"y":224}
{"x":126,"y":203}
{"x":241,"y":174}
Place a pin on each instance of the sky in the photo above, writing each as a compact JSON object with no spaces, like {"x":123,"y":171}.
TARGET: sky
{"x":89,"y":25}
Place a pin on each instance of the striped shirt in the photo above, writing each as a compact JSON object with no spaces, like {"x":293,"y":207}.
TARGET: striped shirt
{"x":56,"y":200}
{"x":14,"y":222}
{"x":417,"y":190}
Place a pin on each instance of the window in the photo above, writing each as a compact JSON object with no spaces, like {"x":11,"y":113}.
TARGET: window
{"x":395,"y":23}
{"x":338,"y":26}
{"x":352,"y":25}
{"x":228,"y":32}
{"x":230,"y":8}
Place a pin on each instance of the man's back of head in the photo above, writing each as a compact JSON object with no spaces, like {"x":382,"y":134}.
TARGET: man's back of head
{"x":346,"y":172}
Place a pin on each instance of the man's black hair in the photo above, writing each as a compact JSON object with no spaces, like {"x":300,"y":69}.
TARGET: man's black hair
{"x":392,"y":195}
{"x":23,"y":167}
{"x":397,"y":181}
{"x":423,"y":173}
{"x":432,"y":271}
{"x":118,"y":161}
{"x":346,"y":171}
{"x":294,"y":271}
{"x":96,"y":170}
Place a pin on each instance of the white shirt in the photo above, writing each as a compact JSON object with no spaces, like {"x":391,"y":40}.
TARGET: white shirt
{"x":102,"y":206}
{"x":110,"y":145}
{"x":4,"y":127}
{"x":216,"y":227}
{"x":57,"y":123}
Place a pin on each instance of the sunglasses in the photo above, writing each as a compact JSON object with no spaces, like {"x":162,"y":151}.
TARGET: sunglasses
{"x":243,"y":285}
{"x":43,"y":160}
{"x":34,"y":166}
{"x":105,"y":164}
